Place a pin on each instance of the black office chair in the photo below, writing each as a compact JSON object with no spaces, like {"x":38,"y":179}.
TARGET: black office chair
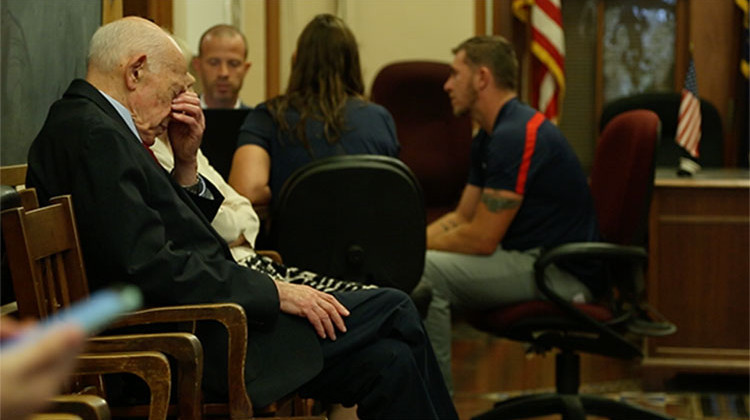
{"x":621,"y":183}
{"x":355,"y":217}
{"x":667,"y":105}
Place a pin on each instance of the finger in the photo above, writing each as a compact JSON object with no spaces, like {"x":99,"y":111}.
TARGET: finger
{"x":193,"y":124}
{"x":57,"y":344}
{"x":340,"y":308}
{"x":339,"y":321}
{"x":184,"y":118}
{"x":336,"y":318}
{"x":325,"y":319}
{"x":316,"y":323}
{"x":186,"y":108}
{"x":186,"y":102}
{"x":193,"y":111}
{"x":336,"y":310}
{"x":187,"y":96}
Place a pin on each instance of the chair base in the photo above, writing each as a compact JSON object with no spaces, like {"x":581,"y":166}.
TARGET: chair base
{"x":571,"y":406}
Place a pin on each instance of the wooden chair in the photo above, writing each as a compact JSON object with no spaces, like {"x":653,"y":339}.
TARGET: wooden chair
{"x":84,"y":407}
{"x":50,"y":267}
{"x":41,"y":259}
{"x":13,"y":175}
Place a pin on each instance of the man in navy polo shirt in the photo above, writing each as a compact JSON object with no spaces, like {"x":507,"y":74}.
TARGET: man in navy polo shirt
{"x":526,"y":191}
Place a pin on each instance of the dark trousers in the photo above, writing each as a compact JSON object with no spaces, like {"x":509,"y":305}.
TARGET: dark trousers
{"x":384,"y":362}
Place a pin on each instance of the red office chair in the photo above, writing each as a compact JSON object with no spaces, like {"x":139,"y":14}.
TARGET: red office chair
{"x":621,"y":183}
{"x":435,"y":144}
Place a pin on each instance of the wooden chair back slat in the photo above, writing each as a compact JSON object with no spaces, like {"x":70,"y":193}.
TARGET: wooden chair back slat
{"x":78,"y":284}
{"x":62,"y":278}
{"x":45,"y":239}
{"x":51,"y":304}
{"x":13,"y":175}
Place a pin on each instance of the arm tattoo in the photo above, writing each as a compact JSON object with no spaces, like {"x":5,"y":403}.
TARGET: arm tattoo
{"x":448,"y":225}
{"x":496,"y":204}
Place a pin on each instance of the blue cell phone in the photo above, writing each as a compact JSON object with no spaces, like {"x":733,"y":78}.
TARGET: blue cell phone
{"x":91,"y":315}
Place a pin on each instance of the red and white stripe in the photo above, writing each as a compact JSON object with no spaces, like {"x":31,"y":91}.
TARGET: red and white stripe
{"x":548,"y":46}
{"x":689,"y":123}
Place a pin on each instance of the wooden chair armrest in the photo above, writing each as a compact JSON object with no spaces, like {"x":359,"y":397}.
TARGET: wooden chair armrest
{"x":152,"y":367}
{"x":85,"y":407}
{"x":55,"y":416}
{"x":185,"y":348}
{"x":9,"y":308}
{"x":232,"y":316}
{"x":274,"y":255}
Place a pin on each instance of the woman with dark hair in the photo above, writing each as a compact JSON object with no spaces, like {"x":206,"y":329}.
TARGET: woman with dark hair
{"x":323,"y":113}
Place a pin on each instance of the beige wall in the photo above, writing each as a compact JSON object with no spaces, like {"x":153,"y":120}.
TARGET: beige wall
{"x":295,"y":14}
{"x":395,"y":30}
{"x":254,"y":26}
{"x":387,"y":30}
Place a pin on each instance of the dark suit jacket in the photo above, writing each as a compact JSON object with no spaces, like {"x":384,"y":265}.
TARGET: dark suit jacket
{"x":136,"y":225}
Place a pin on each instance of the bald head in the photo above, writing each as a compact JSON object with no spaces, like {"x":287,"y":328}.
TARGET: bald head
{"x":140,"y":66}
{"x":115,"y":43}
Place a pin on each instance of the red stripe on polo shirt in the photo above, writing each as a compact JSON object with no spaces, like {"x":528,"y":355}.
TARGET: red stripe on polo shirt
{"x":523,"y":171}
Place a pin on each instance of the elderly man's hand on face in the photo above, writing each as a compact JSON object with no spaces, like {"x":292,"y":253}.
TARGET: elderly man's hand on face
{"x":185,"y":132}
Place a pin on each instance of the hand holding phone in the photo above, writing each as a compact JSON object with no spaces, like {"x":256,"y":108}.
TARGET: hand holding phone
{"x":91,"y":315}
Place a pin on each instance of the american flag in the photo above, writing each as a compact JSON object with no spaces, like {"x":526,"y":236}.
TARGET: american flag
{"x":689,"y":119}
{"x":548,"y":50}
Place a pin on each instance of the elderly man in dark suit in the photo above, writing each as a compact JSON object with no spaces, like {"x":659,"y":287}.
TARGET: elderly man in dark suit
{"x":140,"y":224}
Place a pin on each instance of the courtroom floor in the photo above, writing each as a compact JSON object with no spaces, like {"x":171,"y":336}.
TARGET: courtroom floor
{"x":487,"y":369}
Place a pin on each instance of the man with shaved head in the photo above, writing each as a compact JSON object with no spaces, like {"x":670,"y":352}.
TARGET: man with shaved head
{"x":142,"y":225}
{"x":221,"y":65}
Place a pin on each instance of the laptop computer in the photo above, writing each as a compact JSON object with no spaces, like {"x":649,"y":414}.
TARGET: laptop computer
{"x":220,"y":137}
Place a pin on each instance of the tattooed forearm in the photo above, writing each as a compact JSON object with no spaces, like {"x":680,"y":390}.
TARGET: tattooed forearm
{"x":496,"y":204}
{"x":448,"y":225}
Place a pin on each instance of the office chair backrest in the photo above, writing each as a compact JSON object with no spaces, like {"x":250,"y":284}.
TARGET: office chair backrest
{"x":435,"y":144}
{"x":9,"y":197}
{"x":357,"y":217}
{"x":667,"y":105}
{"x":45,"y":258}
{"x":622,"y":176}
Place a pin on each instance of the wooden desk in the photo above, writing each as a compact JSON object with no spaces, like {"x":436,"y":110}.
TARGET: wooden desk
{"x":699,"y":273}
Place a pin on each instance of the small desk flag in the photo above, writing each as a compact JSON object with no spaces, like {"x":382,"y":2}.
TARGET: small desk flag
{"x":689,"y":118}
